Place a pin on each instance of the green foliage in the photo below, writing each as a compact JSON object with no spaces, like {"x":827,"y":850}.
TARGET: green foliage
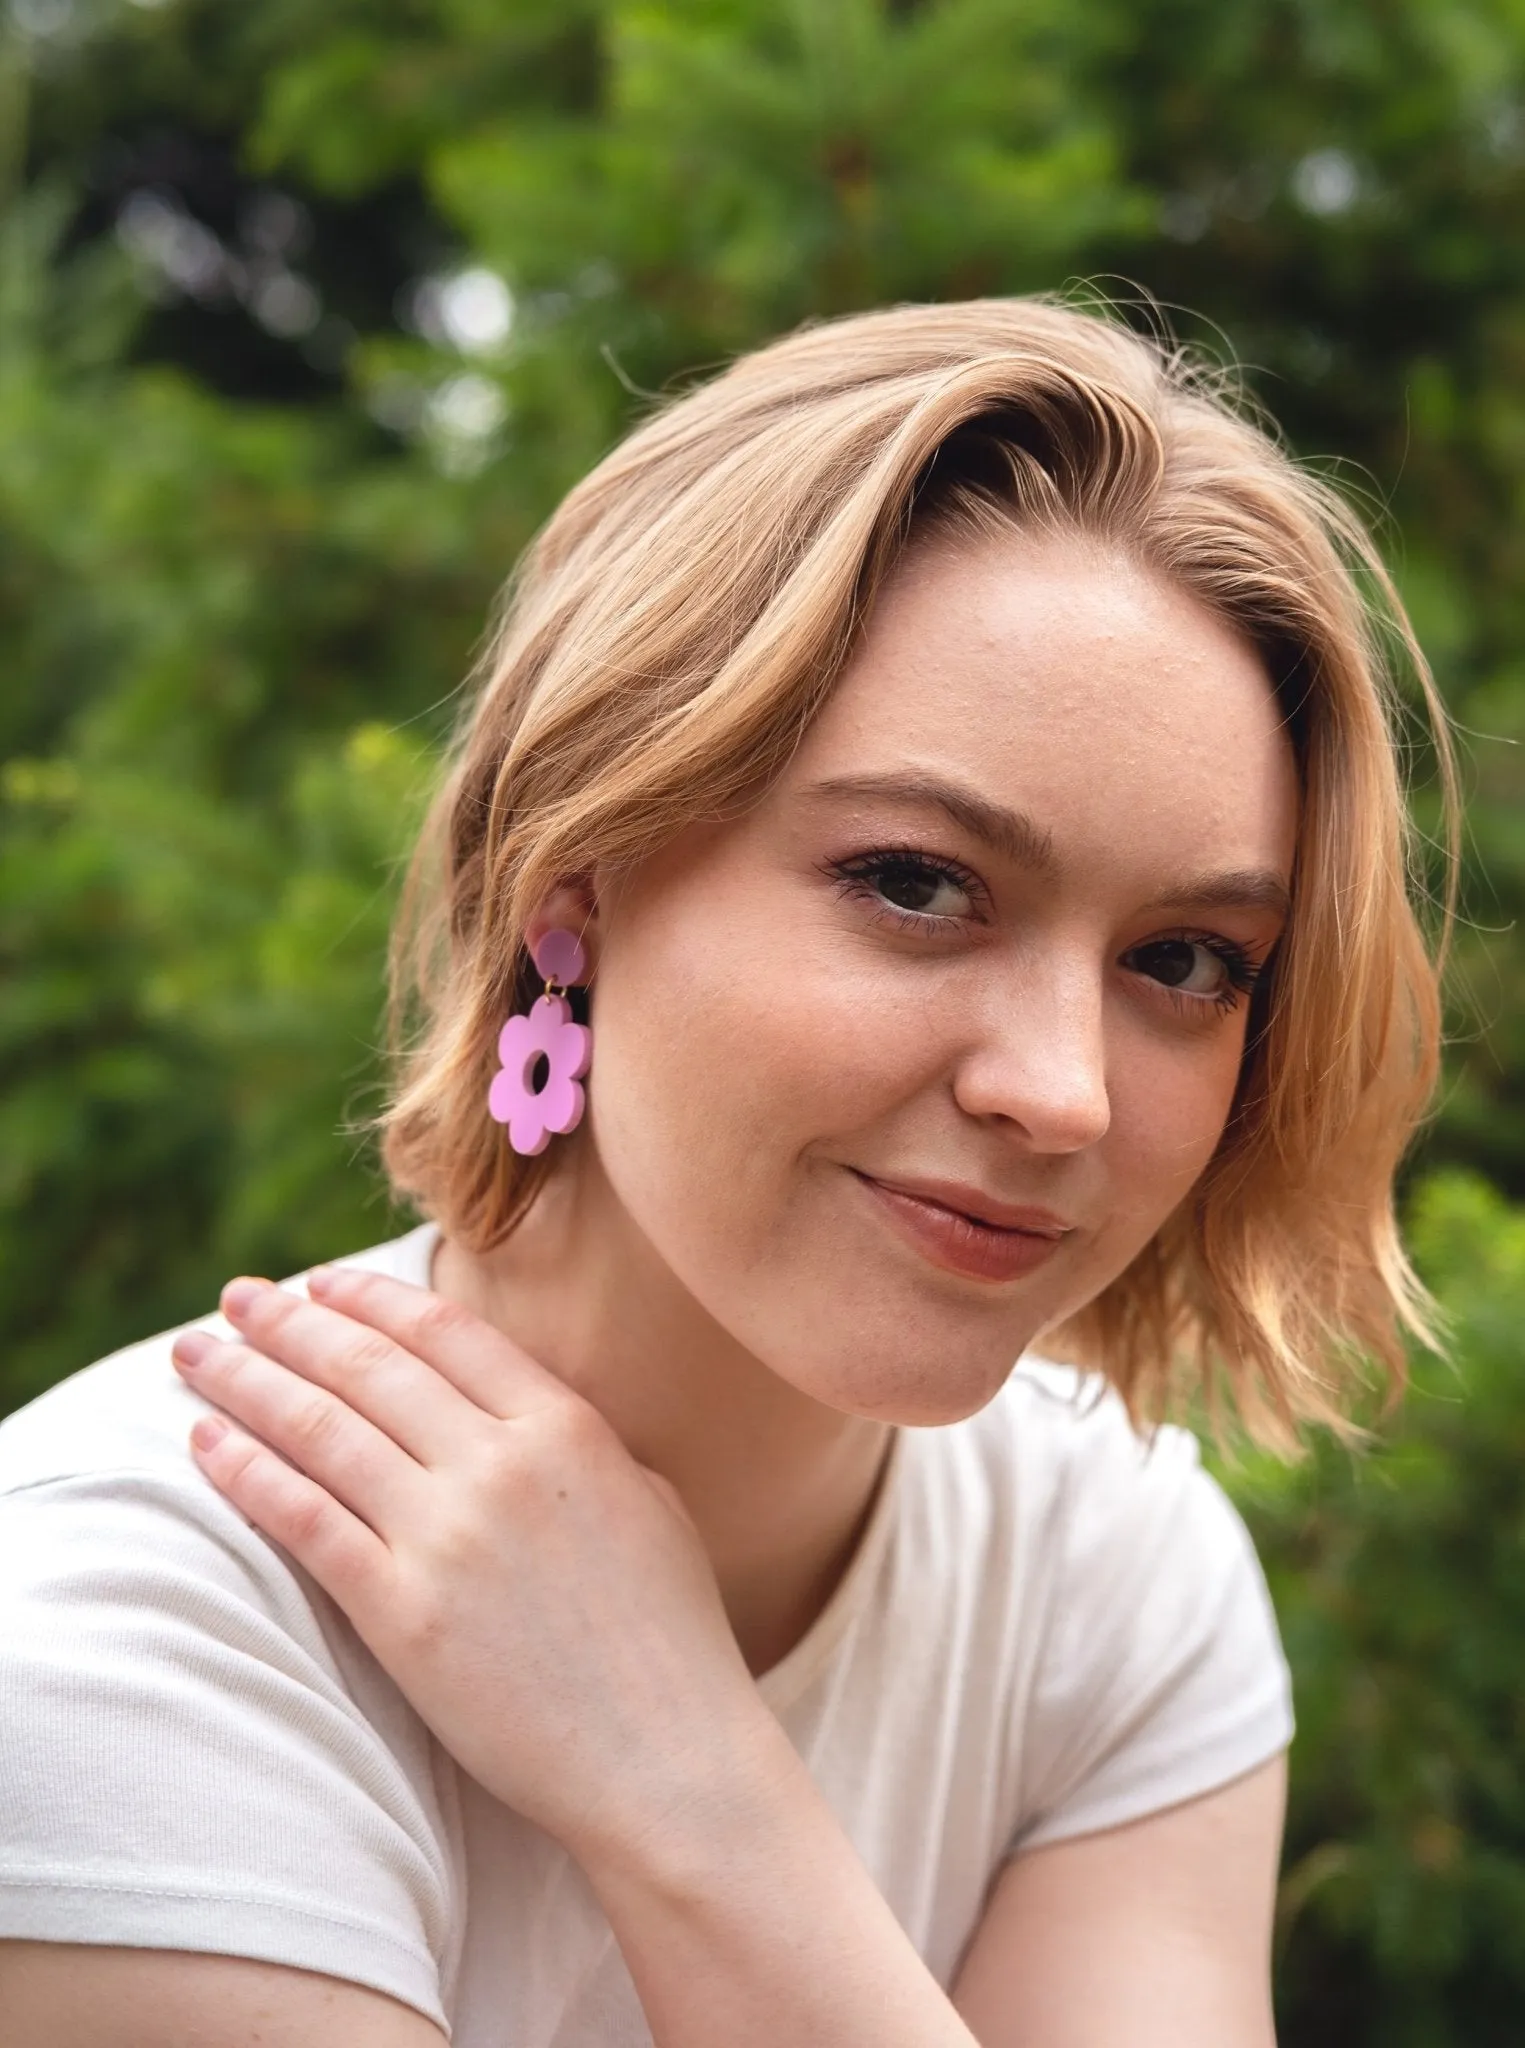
{"x":256,"y":495}
{"x":1399,"y":1578}
{"x":219,"y":622}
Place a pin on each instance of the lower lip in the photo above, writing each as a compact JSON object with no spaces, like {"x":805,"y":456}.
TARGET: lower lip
{"x":957,"y":1243}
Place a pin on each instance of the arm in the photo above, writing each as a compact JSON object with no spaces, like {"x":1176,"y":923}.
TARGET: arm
{"x":1153,"y":1935}
{"x":752,"y":1922}
{"x":545,"y":1604}
{"x":781,"y":1937}
{"x":186,"y":1782}
{"x":57,"y":1995}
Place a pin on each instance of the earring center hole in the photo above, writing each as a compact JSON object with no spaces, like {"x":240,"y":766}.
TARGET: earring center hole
{"x":539,"y":1074}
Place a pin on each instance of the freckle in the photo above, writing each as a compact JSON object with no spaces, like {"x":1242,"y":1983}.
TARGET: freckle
{"x":561,"y":1493}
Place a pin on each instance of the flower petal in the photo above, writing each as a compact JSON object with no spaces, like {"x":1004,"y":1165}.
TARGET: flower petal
{"x":561,"y":1103}
{"x":529,"y":1132}
{"x":505,"y":1095}
{"x":572,"y":1051}
{"x":515,"y":1040}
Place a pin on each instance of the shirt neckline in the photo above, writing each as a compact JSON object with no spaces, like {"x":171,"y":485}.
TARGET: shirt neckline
{"x":785,"y":1682}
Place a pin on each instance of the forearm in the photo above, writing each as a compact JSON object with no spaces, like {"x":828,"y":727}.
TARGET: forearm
{"x":753,"y":1922}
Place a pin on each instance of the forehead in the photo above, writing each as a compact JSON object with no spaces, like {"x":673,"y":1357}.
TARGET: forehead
{"x":1060,"y":678}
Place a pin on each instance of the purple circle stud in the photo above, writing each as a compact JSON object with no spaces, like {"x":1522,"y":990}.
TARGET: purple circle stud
{"x":559,"y":957}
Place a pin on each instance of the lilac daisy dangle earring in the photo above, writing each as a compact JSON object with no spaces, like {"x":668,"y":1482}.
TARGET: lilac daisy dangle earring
{"x":538,"y":1089}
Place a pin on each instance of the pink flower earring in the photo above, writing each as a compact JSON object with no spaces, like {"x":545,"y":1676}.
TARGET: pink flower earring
{"x":547,"y":1033}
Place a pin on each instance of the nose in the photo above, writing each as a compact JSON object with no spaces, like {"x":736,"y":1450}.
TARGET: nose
{"x":1038,"y":1060}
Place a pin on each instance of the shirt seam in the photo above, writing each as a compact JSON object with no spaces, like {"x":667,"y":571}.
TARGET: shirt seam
{"x":185,"y":1482}
{"x":285,"y":1902}
{"x":1254,"y":1740}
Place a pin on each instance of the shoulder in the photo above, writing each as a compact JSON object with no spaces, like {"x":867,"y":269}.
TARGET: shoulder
{"x":117,"y":1556}
{"x":1072,"y":1442}
{"x":106,"y":1521}
{"x":1056,"y":1453}
{"x":131,"y":1412}
{"x":224,"y":1717}
{"x":1139,"y":1647}
{"x":1068,"y":1535}
{"x":1068,"y":1417}
{"x":1113,"y":1524}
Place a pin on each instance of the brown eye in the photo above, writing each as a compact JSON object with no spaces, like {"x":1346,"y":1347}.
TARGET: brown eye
{"x":910,"y":884}
{"x":1176,"y":961}
{"x":1194,"y":967}
{"x":909,"y":887}
{"x":920,"y":889}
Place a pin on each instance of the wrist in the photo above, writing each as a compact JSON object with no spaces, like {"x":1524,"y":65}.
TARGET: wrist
{"x":747,"y":1916}
{"x":679,"y":1826}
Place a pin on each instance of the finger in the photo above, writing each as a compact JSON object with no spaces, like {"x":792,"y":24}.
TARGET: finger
{"x":487,"y":1367}
{"x":418,"y":1407}
{"x":316,"y":1431}
{"x":349,"y":1561}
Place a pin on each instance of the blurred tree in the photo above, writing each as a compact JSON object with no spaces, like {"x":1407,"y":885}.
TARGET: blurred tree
{"x":1399,"y":1583}
{"x":306,"y":320}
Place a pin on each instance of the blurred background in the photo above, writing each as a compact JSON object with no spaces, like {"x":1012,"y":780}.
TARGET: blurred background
{"x":307,"y":317}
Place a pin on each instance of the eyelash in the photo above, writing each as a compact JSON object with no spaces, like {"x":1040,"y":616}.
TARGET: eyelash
{"x":854,"y":878}
{"x":1241,"y":967}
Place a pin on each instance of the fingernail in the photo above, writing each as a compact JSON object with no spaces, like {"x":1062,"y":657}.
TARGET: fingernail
{"x":210,"y":1430}
{"x":320,"y":1279}
{"x":191,"y":1346}
{"x":239,"y":1296}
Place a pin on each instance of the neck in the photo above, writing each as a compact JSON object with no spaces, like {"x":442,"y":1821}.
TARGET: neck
{"x":778,"y":1486}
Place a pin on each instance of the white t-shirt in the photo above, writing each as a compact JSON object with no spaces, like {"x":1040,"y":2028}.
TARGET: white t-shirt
{"x":1048,"y":1628}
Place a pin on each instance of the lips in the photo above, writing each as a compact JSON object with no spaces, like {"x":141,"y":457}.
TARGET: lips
{"x":965,"y":1231}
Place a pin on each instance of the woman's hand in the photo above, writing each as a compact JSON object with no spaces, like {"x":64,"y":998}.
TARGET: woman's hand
{"x":543,"y":1600}
{"x":546,"y":1605}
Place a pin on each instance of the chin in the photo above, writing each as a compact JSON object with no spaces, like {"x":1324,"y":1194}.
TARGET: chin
{"x":920,"y":1385}
{"x":856,"y":1321}
{"x":915,"y":1401}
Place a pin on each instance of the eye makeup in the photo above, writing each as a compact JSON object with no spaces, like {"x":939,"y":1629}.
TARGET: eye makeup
{"x":915,"y":889}
{"x":1238,"y":970}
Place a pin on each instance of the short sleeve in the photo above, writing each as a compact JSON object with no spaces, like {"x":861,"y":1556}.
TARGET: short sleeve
{"x":182,"y":1764}
{"x":1160,"y":1676}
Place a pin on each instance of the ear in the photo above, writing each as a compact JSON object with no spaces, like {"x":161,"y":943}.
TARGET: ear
{"x":572,"y":906}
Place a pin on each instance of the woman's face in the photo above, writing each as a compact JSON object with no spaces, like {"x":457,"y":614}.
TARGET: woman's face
{"x":908,"y":1063}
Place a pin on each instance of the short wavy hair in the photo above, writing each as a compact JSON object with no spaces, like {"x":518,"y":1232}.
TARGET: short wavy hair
{"x":684,"y":614}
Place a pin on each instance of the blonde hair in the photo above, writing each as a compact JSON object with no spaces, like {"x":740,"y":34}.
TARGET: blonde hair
{"x":677,"y":624}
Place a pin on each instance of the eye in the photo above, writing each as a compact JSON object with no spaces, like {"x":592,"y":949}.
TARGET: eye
{"x":919,"y":887}
{"x":913,"y":885}
{"x":1209,"y":969}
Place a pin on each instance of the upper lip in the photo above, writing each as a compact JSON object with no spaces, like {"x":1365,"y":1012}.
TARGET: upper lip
{"x":959,"y":1196}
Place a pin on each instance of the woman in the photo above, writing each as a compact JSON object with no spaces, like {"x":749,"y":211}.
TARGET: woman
{"x":951,"y":756}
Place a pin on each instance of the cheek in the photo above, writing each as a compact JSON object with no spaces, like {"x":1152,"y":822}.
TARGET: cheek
{"x":721,"y":1135}
{"x":1169,"y":1108}
{"x":741,"y":1054}
{"x":715,"y":1078}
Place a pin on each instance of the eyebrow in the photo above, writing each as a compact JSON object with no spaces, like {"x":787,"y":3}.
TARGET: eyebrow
{"x":1028,"y":845}
{"x":1239,"y":889}
{"x":1009,"y":832}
